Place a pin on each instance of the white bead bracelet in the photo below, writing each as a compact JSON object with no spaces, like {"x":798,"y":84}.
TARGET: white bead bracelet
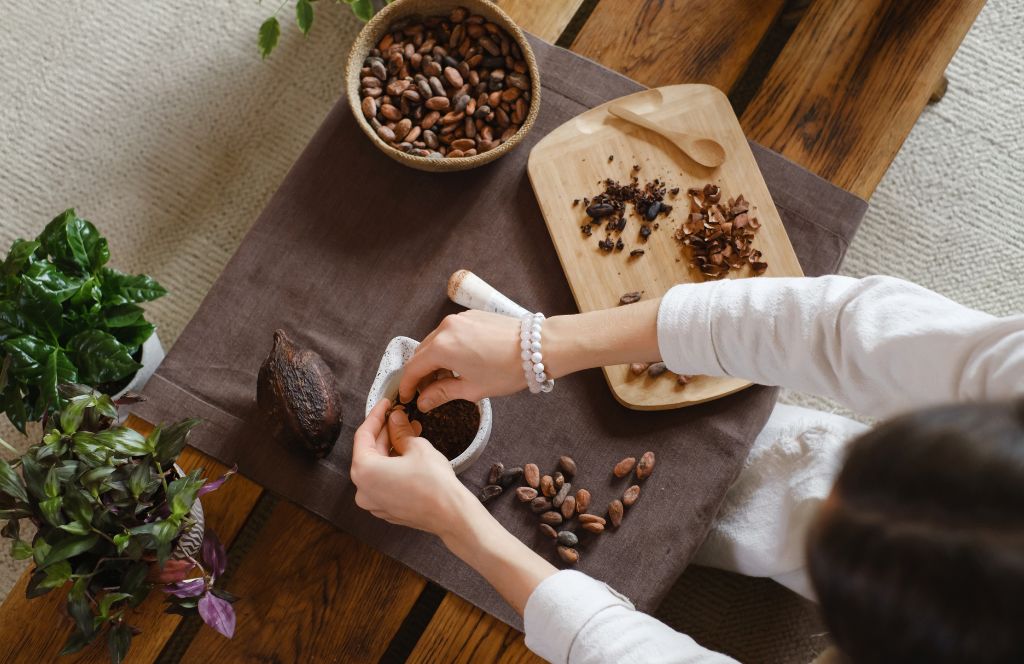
{"x":533,"y":361}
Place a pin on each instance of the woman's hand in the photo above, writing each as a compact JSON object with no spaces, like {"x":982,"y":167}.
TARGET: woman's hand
{"x":417,"y":488}
{"x":481,"y":347}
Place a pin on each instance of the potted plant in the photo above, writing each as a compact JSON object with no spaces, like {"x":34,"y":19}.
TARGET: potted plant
{"x":115,"y":518}
{"x":270,"y":30}
{"x":67,"y":317}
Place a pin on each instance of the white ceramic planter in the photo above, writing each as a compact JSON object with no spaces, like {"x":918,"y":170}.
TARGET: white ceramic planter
{"x":152,"y":356}
{"x":385,"y":385}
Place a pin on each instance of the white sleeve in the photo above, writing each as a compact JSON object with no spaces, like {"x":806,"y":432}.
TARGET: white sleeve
{"x":878,"y":345}
{"x":571,"y":618}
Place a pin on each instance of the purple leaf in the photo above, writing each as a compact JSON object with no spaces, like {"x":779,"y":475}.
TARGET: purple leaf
{"x":214,"y":555}
{"x":214,"y":485}
{"x":218,"y":614}
{"x":187,"y":588}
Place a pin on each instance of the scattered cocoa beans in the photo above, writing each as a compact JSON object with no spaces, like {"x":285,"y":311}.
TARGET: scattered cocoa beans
{"x":494,"y":476}
{"x":510,"y":477}
{"x":656,"y":369}
{"x":525,"y":494}
{"x":567,"y":538}
{"x":547,"y":486}
{"x":540,"y":504}
{"x":630,"y":298}
{"x":461,"y":79}
{"x":592,"y":518}
{"x":646,"y":466}
{"x":615,"y":513}
{"x":624,"y":467}
{"x":568,"y":506}
{"x":548,"y":530}
{"x":551,"y":518}
{"x":531,"y":474}
{"x":569,"y":555}
{"x":582,"y":500}
{"x":559,"y":479}
{"x":593,"y":527}
{"x":630,"y":495}
{"x":568,"y":466}
{"x":562,"y":494}
{"x":490,"y":491}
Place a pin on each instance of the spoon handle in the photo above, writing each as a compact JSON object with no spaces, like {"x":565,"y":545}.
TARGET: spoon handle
{"x":628,"y":115}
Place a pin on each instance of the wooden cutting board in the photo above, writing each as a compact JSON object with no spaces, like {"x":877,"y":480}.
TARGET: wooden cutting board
{"x":572,"y":161}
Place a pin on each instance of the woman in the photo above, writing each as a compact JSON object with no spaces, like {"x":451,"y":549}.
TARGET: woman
{"x":916,"y":554}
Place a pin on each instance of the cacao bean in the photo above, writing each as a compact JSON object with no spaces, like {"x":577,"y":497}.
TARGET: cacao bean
{"x":369,"y":106}
{"x":531,"y":473}
{"x":593,"y":527}
{"x":562,"y":494}
{"x":567,"y":465}
{"x":598,"y":210}
{"x":495,"y":473}
{"x":630,"y":298}
{"x":558,"y":478}
{"x":568,"y":507}
{"x":378,"y":69}
{"x":592,"y":518}
{"x":548,"y":530}
{"x":567,"y":538}
{"x":582,"y":500}
{"x":489,"y":491}
{"x":615,"y":513}
{"x":386,"y":134}
{"x":510,"y":477}
{"x":630,"y":495}
{"x":569,"y":555}
{"x":540,"y":504}
{"x":624,"y":467}
{"x":453,"y":77}
{"x":551,"y":518}
{"x":547,"y":486}
{"x":402,"y":128}
{"x":430,"y":119}
{"x":463,"y":143}
{"x":297,"y":393}
{"x":525,"y":494}
{"x":656,"y":369}
{"x":638,"y":368}
{"x":646,"y":466}
{"x":438,"y":103}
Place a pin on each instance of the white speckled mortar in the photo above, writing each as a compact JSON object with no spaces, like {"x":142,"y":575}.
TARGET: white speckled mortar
{"x":385,"y":385}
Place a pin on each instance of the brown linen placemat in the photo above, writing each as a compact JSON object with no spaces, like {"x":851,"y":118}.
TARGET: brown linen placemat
{"x":354,"y":249}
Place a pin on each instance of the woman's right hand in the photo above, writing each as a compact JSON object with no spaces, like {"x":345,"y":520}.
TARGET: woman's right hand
{"x":481,"y":347}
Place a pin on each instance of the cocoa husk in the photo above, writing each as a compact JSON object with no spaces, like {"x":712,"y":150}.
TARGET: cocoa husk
{"x":297,"y":394}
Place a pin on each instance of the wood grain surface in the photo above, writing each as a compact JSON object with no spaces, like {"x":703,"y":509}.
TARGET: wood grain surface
{"x":311,"y":593}
{"x":568,"y":162}
{"x":852,"y":80}
{"x":544,"y":18}
{"x":460,"y":633}
{"x":35,"y":631}
{"x":662,"y":42}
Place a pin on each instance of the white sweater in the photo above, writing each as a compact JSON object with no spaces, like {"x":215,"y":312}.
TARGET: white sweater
{"x":880,"y":346}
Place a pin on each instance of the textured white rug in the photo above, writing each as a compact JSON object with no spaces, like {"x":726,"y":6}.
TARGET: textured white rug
{"x":159,"y":122}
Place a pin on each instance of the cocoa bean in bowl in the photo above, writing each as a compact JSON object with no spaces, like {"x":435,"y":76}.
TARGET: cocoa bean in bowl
{"x":443,"y":86}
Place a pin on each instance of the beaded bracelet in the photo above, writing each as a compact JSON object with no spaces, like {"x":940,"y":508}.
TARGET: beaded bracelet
{"x":529,"y":342}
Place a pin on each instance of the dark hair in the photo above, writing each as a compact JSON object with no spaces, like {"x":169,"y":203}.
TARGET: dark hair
{"x":918,"y":556}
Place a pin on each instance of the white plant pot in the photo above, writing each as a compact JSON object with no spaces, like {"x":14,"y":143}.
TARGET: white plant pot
{"x":152,"y":356}
{"x":385,"y":385}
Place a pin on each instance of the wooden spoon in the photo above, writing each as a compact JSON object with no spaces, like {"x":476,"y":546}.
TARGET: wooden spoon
{"x":705,"y":151}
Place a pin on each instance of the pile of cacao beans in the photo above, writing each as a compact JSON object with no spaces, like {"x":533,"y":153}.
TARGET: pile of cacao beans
{"x":445,"y":86}
{"x":560,"y":509}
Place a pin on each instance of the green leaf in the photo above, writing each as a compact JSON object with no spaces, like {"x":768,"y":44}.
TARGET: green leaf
{"x":14,"y":406}
{"x":164,"y":533}
{"x":11,"y":529}
{"x":100,"y":357}
{"x":51,"y":487}
{"x":120,"y":288}
{"x":123,"y":440}
{"x":35,"y":587}
{"x":77,"y":505}
{"x":270,"y":32}
{"x":134,"y":583}
{"x":109,"y":600}
{"x":95,"y":477}
{"x":363,"y":9}
{"x":81,"y":613}
{"x":140,"y":477}
{"x":10,"y":483}
{"x":57,"y":369}
{"x":28,"y":355}
{"x":72,"y":413}
{"x":19,"y":255}
{"x":123,"y":315}
{"x":76,"y":528}
{"x":119,"y":640}
{"x":51,"y":511}
{"x":304,"y":15}
{"x":61,"y":284}
{"x":75,"y":643}
{"x":172,"y":440}
{"x":40,"y":549}
{"x":74,"y":244}
{"x":181,"y":493}
{"x":21,"y":550}
{"x":57,"y":574}
{"x":41,"y":308}
{"x":72,"y":545}
{"x":92,"y":453}
{"x":12,"y":322}
{"x":133,"y":336}
{"x":121,"y":541}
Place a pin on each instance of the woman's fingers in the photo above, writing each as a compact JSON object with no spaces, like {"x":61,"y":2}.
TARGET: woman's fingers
{"x":442,"y":391}
{"x":365,"y":440}
{"x":401,"y":430}
{"x":421,"y":365}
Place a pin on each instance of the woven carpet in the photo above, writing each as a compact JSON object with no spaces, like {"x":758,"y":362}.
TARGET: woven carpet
{"x":159,"y":122}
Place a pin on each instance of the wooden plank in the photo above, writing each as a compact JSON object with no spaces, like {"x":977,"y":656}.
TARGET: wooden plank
{"x":460,"y":633}
{"x":310,"y":593}
{"x":544,"y":18}
{"x":661,"y":42}
{"x":851,"y":82}
{"x":566,"y":164}
{"x":35,"y":631}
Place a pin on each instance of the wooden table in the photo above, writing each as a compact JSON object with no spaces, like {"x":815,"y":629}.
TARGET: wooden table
{"x":835,"y":87}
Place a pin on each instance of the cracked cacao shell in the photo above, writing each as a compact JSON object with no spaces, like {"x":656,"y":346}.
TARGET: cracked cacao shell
{"x":489,"y":491}
{"x":526,"y":494}
{"x":582,"y":500}
{"x":297,"y":393}
{"x":495,"y":473}
{"x":510,"y":477}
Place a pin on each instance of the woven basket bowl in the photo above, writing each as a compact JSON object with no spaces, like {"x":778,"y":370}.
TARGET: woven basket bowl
{"x":373,"y":31}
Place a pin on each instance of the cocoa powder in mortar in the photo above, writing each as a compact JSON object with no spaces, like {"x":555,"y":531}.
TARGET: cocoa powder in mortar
{"x":450,"y":428}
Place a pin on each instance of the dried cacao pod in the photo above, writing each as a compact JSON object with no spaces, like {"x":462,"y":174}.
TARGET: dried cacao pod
{"x":296,"y":392}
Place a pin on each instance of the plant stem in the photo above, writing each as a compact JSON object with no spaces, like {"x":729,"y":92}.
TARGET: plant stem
{"x":163,"y":480}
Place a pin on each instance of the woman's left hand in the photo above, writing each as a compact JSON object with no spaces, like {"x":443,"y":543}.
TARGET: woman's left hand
{"x":417,"y":487}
